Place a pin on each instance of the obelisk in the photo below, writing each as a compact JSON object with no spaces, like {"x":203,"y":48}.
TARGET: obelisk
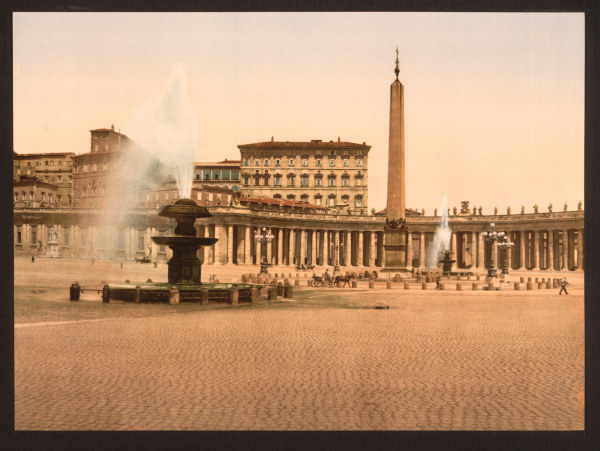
{"x":395,"y":227}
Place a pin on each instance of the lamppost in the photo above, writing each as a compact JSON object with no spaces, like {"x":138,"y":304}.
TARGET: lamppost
{"x":337,"y":257}
{"x":491,"y":237}
{"x":262,"y":239}
{"x":505,"y":245}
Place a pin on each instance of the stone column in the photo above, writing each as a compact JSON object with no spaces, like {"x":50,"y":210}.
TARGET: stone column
{"x":313,"y":247}
{"x":292,"y":247}
{"x":473,"y":249}
{"x":372,"y":252}
{"x":230,"y":244}
{"x":580,"y":249}
{"x":522,"y":249}
{"x":270,"y":251}
{"x":455,"y":250}
{"x":247,"y":244}
{"x":422,"y":250}
{"x":480,"y":251}
{"x":565,"y":256}
{"x":536,"y":249}
{"x":348,"y":247}
{"x":408,"y":250}
{"x":302,"y":245}
{"x":507,"y":256}
{"x":550,"y":250}
{"x":279,"y":246}
{"x":360,"y":258}
{"x":325,"y":234}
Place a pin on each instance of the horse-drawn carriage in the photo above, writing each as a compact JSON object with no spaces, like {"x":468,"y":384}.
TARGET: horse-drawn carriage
{"x":322,"y":281}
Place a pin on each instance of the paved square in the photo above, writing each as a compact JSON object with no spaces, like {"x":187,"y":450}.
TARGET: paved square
{"x":433,"y":361}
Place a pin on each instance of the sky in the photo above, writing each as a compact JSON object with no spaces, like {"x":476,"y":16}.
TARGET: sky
{"x":494,"y":102}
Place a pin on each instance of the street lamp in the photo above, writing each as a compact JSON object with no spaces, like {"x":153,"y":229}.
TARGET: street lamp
{"x":491,"y":237}
{"x":337,"y":258}
{"x":505,"y":245}
{"x":262,"y":239}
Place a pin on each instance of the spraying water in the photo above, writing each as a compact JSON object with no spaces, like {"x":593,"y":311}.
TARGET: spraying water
{"x":441,"y":239}
{"x":166,"y":130}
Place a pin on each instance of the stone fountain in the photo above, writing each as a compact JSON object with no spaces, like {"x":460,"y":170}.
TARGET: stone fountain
{"x":447,"y":262}
{"x":184,"y":266}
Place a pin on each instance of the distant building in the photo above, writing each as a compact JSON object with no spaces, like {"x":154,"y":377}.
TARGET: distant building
{"x":51,"y":168}
{"x":332,"y":174}
{"x":31,"y":192}
{"x":92,"y":170}
{"x":225,"y":174}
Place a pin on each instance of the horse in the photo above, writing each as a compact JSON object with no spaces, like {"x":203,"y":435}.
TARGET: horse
{"x":346,"y":279}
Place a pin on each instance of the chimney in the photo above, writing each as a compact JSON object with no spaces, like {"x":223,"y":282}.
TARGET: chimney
{"x":338,"y":139}
{"x":272,"y":139}
{"x":112,"y":127}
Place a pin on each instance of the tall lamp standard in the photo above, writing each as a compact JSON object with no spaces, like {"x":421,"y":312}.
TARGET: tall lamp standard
{"x":505,"y":245}
{"x":261,"y":240}
{"x":491,"y":237}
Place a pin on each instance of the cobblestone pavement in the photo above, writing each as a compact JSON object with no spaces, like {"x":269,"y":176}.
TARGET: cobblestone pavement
{"x":433,"y":361}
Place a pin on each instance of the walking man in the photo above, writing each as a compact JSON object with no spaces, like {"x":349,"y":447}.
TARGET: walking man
{"x":563,"y":285}
{"x":437,"y":283}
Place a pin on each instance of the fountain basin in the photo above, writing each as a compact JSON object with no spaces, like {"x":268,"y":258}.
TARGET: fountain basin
{"x":184,"y":241}
{"x":159,"y":292}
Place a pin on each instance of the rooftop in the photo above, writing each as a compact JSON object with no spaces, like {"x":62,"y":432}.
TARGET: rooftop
{"x":314,"y":144}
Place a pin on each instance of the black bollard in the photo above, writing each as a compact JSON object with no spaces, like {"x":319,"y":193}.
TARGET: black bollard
{"x":105,"y":293}
{"x":75,"y":291}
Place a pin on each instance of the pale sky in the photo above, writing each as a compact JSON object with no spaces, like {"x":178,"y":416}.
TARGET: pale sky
{"x":494,"y":102}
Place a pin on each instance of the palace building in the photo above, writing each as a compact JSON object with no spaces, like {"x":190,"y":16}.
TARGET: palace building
{"x":332,"y":174}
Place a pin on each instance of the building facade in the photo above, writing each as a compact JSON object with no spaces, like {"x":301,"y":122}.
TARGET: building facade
{"x":332,"y":174}
{"x":94,"y":172}
{"x":51,"y":168}
{"x":225,"y":174}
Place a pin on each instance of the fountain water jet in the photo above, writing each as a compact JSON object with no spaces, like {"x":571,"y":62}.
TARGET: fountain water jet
{"x":441,"y":238}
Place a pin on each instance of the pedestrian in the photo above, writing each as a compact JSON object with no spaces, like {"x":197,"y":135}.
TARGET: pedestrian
{"x":563,"y":285}
{"x":437,"y":283}
{"x":121,"y":265}
{"x":33,"y":259}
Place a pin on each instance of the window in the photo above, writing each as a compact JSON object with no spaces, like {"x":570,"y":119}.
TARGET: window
{"x":277,"y":196}
{"x":291,"y":180}
{"x":66,"y":239}
{"x":358,"y":181}
{"x":291,"y":196}
{"x":291,"y":162}
{"x":246,"y":180}
{"x":256,"y":163}
{"x":317,"y":181}
{"x":197,"y":176}
{"x":345,"y":182}
{"x":358,"y":201}
{"x":331,"y":181}
{"x":345,"y":162}
{"x":359,"y":162}
{"x":266,"y":162}
{"x":318,"y":162}
{"x":332,"y":162}
{"x":304,"y":162}
{"x":304,"y":181}
{"x":18,"y":237}
{"x":331,"y":201}
{"x":235,"y":175}
{"x":277,"y":180}
{"x":206,"y":175}
{"x":34,"y":235}
{"x":246,"y":163}
{"x":304,"y":197}
{"x":277,"y":162}
{"x":225,"y":174}
{"x":215,"y":175}
{"x":318,"y":200}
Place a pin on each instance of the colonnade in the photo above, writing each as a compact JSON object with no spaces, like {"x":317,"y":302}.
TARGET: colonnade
{"x":550,"y":242}
{"x":551,"y":249}
{"x":292,"y":246}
